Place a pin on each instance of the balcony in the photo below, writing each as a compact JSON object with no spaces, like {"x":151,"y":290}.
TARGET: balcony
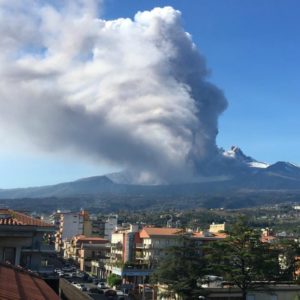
{"x":44,"y":248}
{"x":144,"y":246}
{"x":42,"y":270}
{"x":99,"y":258}
{"x":130,"y":270}
{"x":117,"y":246}
{"x":142,"y":258}
{"x":114,"y":256}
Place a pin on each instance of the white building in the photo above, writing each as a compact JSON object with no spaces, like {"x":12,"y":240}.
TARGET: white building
{"x":72,"y":224}
{"x":110,"y":226}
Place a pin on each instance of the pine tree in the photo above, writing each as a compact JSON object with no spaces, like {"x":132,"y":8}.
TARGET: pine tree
{"x":181,"y":269}
{"x":243,"y":259}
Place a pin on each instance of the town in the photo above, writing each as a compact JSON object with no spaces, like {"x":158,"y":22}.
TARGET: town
{"x":149,"y":150}
{"x":81,"y":255}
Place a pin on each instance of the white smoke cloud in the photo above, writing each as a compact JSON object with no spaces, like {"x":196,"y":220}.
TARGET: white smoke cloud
{"x":130,"y":92}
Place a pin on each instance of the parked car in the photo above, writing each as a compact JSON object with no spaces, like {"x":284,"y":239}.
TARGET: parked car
{"x":83,"y":288}
{"x":80,"y":286}
{"x":60,"y":272}
{"x":111,"y":294}
{"x":67,"y":275}
{"x":67,"y":269}
{"x":79,"y":275}
{"x":77,"y":285}
{"x":86,"y":277}
{"x":120,"y":294}
{"x":102,"y":285}
{"x":93,"y":290}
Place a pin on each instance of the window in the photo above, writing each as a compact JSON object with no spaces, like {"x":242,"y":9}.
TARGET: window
{"x":250,"y":297}
{"x":273,"y":297}
{"x":44,"y":262}
{"x":25,"y":260}
{"x":9,"y":255}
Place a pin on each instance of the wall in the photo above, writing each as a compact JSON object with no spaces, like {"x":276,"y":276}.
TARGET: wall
{"x":72,"y":225}
{"x":287,"y":294}
{"x":215,"y":228}
{"x":110,"y":225}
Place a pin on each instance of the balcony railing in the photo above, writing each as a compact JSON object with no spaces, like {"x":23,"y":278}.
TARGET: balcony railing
{"x":129,"y":270}
{"x":96,"y":257}
{"x":39,"y":248}
{"x":144,"y":246}
{"x":117,"y":246}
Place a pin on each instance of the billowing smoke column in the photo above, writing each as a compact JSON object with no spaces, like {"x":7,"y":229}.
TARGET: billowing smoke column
{"x":130,"y":92}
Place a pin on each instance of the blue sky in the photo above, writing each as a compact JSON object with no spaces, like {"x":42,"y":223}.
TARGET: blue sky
{"x":252,"y":48}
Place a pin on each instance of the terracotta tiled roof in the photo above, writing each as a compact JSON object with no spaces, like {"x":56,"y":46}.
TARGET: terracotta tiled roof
{"x":221,"y":235}
{"x":17,"y":284}
{"x":267,"y":238}
{"x":147,"y":232}
{"x":11,"y":217}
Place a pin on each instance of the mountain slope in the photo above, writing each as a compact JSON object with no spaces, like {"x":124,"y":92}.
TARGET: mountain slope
{"x":238,"y":172}
{"x":235,"y":153}
{"x":85,"y":186}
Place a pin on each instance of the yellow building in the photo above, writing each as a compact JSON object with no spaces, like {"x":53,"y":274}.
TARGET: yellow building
{"x":215,"y":228}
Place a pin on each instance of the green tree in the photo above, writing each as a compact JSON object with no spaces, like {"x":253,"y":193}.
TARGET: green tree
{"x":114,"y":280}
{"x":289,"y":253}
{"x":242,"y":259}
{"x":180,"y":269}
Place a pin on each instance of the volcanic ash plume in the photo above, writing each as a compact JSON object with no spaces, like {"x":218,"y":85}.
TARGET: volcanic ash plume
{"x":129,"y":92}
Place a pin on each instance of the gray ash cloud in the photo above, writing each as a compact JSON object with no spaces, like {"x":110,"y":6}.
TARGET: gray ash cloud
{"x":132,"y":92}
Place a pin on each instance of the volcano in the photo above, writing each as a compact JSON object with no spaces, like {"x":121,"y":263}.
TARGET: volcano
{"x":236,"y":172}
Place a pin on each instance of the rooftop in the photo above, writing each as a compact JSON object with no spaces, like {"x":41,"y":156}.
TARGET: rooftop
{"x":268,"y":238}
{"x":11,"y":217}
{"x":148,"y":232}
{"x":18,"y":284}
{"x":210,"y":235}
{"x":91,"y":240}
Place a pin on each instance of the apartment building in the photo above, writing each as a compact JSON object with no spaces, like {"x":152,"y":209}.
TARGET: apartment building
{"x":123,"y":242}
{"x":110,"y":226}
{"x":134,"y":253}
{"x":98,"y":226}
{"x":83,"y":250}
{"x":24,"y":241}
{"x":154,"y":242}
{"x":71,"y":224}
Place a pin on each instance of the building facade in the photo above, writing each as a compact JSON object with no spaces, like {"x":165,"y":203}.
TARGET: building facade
{"x":71,"y":224}
{"x":24,"y":241}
